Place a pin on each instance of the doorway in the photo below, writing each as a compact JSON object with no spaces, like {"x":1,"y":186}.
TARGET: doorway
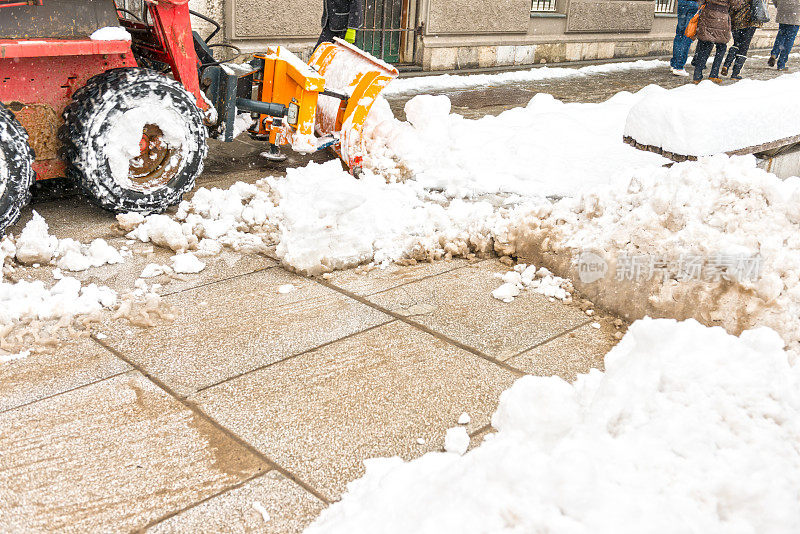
{"x":389,"y":31}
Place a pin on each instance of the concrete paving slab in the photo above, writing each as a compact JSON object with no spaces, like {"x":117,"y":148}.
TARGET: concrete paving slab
{"x":460,"y":306}
{"x":111,"y":457}
{"x":121,"y":277}
{"x":74,"y":364}
{"x":289,"y":507}
{"x":571,"y":354}
{"x":374,"y":394}
{"x":237,"y":325}
{"x":364,"y":283}
{"x":73,"y":217}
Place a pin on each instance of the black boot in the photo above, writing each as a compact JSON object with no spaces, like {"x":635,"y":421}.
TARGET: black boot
{"x":737,"y":67}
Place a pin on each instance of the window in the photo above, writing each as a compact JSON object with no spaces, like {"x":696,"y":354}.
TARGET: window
{"x":665,"y":6}
{"x":543,"y":5}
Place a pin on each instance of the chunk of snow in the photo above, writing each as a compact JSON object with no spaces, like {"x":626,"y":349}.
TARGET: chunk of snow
{"x":464,"y":419}
{"x":286,"y":288}
{"x":456,"y":440}
{"x":5,"y":358}
{"x":187,"y":263}
{"x":258,"y":507}
{"x":111,"y":33}
{"x":507,"y":292}
{"x":35,"y":244}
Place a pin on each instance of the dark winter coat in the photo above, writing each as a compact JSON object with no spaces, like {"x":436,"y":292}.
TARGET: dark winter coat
{"x":714,"y":24}
{"x":339,"y":15}
{"x":788,"y":12}
{"x":742,"y":15}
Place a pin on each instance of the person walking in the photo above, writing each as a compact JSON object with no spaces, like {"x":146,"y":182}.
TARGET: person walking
{"x":681,"y":43}
{"x":743,"y":27}
{"x":341,"y":18}
{"x":788,"y":20}
{"x":713,"y":28}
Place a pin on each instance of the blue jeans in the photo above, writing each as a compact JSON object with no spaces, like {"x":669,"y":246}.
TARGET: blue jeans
{"x":784,"y":42}
{"x":681,"y":44}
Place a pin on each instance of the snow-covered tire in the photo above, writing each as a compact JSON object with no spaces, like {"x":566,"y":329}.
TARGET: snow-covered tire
{"x":16,"y":169}
{"x":135,"y":140}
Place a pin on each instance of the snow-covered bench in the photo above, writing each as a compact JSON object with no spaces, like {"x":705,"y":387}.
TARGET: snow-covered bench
{"x":750,"y":117}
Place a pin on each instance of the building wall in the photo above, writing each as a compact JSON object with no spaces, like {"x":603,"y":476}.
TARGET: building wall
{"x":459,"y":34}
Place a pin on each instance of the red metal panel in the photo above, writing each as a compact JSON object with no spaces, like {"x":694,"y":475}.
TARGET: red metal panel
{"x":13,"y":48}
{"x":38,"y":89}
{"x":14,"y":3}
{"x":173,"y":29}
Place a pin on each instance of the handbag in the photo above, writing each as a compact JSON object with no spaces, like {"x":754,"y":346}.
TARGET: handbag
{"x":691,"y":28}
{"x":758,"y":8}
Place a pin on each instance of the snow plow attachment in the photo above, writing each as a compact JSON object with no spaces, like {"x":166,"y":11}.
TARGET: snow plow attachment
{"x":353,"y":80}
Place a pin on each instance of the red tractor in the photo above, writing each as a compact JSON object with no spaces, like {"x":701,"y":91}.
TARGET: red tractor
{"x":122,"y":102}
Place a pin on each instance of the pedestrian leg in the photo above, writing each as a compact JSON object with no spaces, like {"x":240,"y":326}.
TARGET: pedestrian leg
{"x":718,"y":57}
{"x":701,"y":54}
{"x":734,"y":50}
{"x":741,"y":54}
{"x":788,"y":43}
{"x":681,"y":43}
{"x":776,"y":48}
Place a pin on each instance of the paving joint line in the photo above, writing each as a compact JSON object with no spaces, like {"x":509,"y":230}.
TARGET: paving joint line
{"x":198,"y":412}
{"x":91,"y":383}
{"x":549,"y":339}
{"x":175,"y":513}
{"x":293,"y":356}
{"x":484,"y":428}
{"x":212,"y":282}
{"x":427,"y":277}
{"x":420,"y":327}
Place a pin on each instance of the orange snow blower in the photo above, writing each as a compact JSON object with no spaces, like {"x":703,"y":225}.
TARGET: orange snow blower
{"x":122,"y":102}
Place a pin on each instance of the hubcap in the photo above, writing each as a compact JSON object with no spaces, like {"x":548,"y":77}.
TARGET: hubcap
{"x":157,"y":163}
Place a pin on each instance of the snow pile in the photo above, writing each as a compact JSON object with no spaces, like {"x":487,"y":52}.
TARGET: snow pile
{"x":35,"y":246}
{"x":689,"y":429}
{"x":78,"y":257}
{"x":539,"y":280}
{"x":548,"y":148}
{"x":694,"y":221}
{"x":454,"y":81}
{"x":34,"y":317}
{"x":329,"y":220}
{"x":323,"y":219}
{"x":111,"y":33}
{"x":700,"y":121}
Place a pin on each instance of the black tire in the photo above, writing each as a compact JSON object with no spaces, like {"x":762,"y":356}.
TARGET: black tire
{"x":16,"y":169}
{"x":111,"y":107}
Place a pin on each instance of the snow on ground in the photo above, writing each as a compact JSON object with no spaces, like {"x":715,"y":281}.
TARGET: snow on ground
{"x":322,"y":219}
{"x":539,"y":280}
{"x":661,"y":118}
{"x":419,"y":84}
{"x":548,"y":148}
{"x":36,"y":316}
{"x":688,"y":430}
{"x":723,"y":234}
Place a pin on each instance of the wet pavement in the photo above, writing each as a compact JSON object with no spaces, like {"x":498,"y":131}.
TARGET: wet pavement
{"x":253,"y":409}
{"x":477,"y":102}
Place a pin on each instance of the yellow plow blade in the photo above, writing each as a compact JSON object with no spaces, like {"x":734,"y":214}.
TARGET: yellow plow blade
{"x":359,"y":77}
